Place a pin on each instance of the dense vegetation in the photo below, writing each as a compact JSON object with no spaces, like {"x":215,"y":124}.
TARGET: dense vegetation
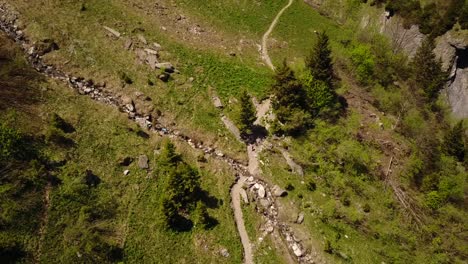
{"x":434,"y":18}
{"x":385,"y":168}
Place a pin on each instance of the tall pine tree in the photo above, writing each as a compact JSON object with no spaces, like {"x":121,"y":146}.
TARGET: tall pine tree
{"x":247,"y":114}
{"x":289,"y":102}
{"x":319,"y":61}
{"x":455,"y":142}
{"x":428,"y":73}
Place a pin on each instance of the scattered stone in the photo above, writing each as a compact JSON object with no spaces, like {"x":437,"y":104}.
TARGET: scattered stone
{"x":261,"y":191}
{"x":157,"y":46}
{"x":191,"y":79}
{"x":126,"y":161}
{"x":143,"y":162}
{"x":126,"y":172}
{"x":167,"y":66}
{"x":128,"y":44}
{"x":278,"y":191}
{"x":164,"y":77}
{"x":152,"y":61}
{"x":232,"y":54}
{"x":224,"y":252}
{"x":217,"y":102}
{"x":151,"y":51}
{"x":300,"y":218}
{"x":112,"y":31}
{"x":297,"y":250}
{"x":265,"y":203}
{"x":220,"y":154}
{"x":244,"y":196}
{"x":142,"y":39}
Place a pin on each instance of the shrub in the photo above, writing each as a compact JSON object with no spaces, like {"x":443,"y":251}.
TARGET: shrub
{"x":289,"y":187}
{"x":364,"y":63}
{"x":10,"y":143}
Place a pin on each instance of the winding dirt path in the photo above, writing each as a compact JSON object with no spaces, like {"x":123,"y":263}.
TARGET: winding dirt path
{"x":264,"y":49}
{"x":239,"y":218}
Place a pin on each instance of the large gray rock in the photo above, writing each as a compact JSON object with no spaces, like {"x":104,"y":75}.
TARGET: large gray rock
{"x":452,"y":49}
{"x":300,"y":218}
{"x":261,"y":191}
{"x":143,"y":162}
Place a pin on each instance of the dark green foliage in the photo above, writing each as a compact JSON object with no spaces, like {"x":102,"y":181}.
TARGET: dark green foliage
{"x":247,"y":114}
{"x":11,"y":143}
{"x":463,"y":18}
{"x":434,"y":19}
{"x":181,"y":186}
{"x":319,"y":61}
{"x":408,"y":9}
{"x":454,"y":142}
{"x":428,"y":74}
{"x":289,"y":102}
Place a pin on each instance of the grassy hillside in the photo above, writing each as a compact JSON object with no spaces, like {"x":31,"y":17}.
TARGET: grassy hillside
{"x":379,"y":183}
{"x":113,"y":217}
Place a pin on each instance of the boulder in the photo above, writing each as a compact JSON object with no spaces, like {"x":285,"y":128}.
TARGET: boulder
{"x":224,"y":252}
{"x":265,"y":203}
{"x":167,"y":66}
{"x":278,"y":191}
{"x":126,"y":172}
{"x":217,"y":102}
{"x":143,"y":162}
{"x":151,"y":51}
{"x":244,"y":196}
{"x":128,"y":44}
{"x":112,"y":31}
{"x":297,"y":250}
{"x":300,"y":218}
{"x":261,"y":191}
{"x":152,"y":60}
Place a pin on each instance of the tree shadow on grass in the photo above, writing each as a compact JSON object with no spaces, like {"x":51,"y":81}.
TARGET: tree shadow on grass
{"x":181,"y":224}
{"x":209,"y":200}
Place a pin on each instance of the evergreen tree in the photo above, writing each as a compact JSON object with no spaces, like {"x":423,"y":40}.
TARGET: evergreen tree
{"x":201,"y":217}
{"x":428,"y":72}
{"x":247,"y":113}
{"x":289,"y":102}
{"x":454,"y":142}
{"x":319,"y":61}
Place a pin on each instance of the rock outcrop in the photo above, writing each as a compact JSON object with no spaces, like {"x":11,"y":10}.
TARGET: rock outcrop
{"x":452,"y":49}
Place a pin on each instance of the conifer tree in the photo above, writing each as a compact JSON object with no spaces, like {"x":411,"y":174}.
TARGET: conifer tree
{"x":428,"y":72}
{"x":289,"y":102}
{"x":454,"y":142}
{"x":247,"y":114}
{"x":319,"y":61}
